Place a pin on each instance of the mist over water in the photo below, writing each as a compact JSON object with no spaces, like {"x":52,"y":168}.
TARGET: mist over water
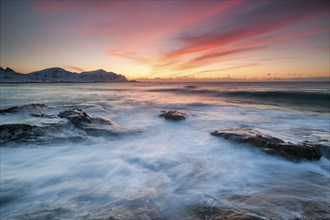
{"x":166,"y":168}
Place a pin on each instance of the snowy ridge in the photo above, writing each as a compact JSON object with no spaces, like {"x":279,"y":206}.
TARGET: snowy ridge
{"x":59,"y":75}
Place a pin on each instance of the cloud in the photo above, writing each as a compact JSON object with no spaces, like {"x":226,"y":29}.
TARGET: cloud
{"x":75,"y":68}
{"x":242,"y":32}
{"x":126,"y":54}
{"x":262,"y":26}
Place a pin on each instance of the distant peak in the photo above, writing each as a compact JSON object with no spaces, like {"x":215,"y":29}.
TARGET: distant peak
{"x":95,"y":71}
{"x":1,"y":69}
{"x":54,"y":68}
{"x":99,"y":70}
{"x":9,"y":70}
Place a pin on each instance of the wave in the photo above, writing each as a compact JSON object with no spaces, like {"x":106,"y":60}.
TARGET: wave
{"x":303,"y":98}
{"x":321,"y":99}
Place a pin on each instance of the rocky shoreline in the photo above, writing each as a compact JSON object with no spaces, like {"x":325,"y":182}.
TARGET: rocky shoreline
{"x":75,"y":125}
{"x":275,"y":146}
{"x":96,"y":126}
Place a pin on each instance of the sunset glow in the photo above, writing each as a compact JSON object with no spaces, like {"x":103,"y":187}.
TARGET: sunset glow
{"x":169,"y":39}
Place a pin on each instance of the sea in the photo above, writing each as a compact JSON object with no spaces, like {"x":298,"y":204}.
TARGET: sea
{"x":147,"y":167}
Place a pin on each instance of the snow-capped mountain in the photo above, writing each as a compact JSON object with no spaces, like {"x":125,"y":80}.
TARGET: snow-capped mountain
{"x":57,"y":75}
{"x":101,"y":75}
{"x":9,"y":75}
{"x":53,"y":74}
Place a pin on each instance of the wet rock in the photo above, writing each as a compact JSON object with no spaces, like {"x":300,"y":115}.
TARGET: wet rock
{"x":325,"y":150}
{"x":13,"y":132}
{"x":92,"y":125}
{"x":271,"y":145}
{"x":9,"y":110}
{"x":76,"y":116}
{"x":204,"y":212}
{"x":288,"y":201}
{"x":20,"y":108}
{"x":294,"y":152}
{"x":42,"y":115}
{"x":79,"y":125}
{"x":48,"y":133}
{"x":313,"y":210}
{"x":173,"y":115}
{"x":140,"y":208}
{"x":48,"y":213}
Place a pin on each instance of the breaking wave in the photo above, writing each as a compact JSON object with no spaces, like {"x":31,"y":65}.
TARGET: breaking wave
{"x":316,"y":99}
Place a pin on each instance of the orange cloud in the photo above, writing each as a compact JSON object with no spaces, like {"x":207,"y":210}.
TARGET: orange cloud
{"x":75,"y":68}
{"x":126,"y":54}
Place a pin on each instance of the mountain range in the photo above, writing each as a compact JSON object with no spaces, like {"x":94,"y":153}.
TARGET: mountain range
{"x":59,"y":75}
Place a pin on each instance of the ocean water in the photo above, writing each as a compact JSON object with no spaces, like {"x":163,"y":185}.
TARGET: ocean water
{"x":164,"y":169}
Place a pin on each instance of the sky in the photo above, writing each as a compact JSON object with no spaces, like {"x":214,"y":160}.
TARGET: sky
{"x":234,"y":39}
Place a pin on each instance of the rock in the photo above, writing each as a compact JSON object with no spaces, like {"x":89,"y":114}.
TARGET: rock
{"x":42,"y":115}
{"x":9,"y":110}
{"x":325,"y":150}
{"x":215,"y":213}
{"x":172,"y":115}
{"x":63,"y":130}
{"x":77,"y":117}
{"x":314,"y":210}
{"x":20,"y":108}
{"x":47,"y":212}
{"x":271,"y":145}
{"x":13,"y":132}
{"x":92,"y":125}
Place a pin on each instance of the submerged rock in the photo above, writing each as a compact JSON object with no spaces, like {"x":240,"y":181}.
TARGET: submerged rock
{"x":20,"y":108}
{"x":271,"y":145}
{"x":172,"y":115}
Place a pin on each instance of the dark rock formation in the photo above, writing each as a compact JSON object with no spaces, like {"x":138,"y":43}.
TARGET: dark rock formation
{"x":20,"y":108}
{"x":92,"y":125}
{"x":313,"y":210}
{"x":325,"y":150}
{"x":271,"y":145}
{"x":70,"y":130}
{"x":77,"y":117}
{"x":172,"y":115}
{"x":42,"y":115}
{"x":14,"y":132}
